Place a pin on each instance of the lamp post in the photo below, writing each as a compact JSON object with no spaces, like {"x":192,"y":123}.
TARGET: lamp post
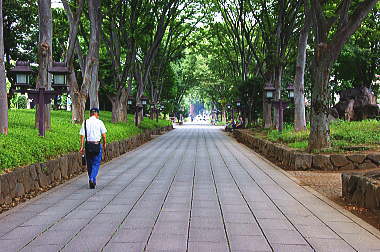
{"x":144,"y":100}
{"x":41,"y":96}
{"x":280,"y":104}
{"x":229,"y":107}
{"x":160,"y":109}
{"x":238,"y":105}
{"x":140,"y":108}
{"x":130,"y":100}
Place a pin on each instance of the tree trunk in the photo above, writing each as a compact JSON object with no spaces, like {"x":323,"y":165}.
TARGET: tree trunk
{"x":3,"y":84}
{"x":319,"y":137}
{"x":119,"y":107}
{"x":44,"y":54}
{"x":139,"y":115}
{"x":277,"y":95}
{"x":152,"y":112}
{"x":118,"y":111}
{"x":299,"y":87}
{"x":93,"y":92}
{"x":94,"y":12}
{"x":267,"y":111}
{"x":78,"y":107}
{"x":76,"y":115}
{"x":250,"y":108}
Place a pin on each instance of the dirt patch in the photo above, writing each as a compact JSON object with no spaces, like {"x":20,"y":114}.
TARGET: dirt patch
{"x":329,"y":184}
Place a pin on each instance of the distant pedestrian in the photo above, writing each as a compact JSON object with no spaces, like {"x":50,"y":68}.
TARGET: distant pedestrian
{"x":91,"y":132}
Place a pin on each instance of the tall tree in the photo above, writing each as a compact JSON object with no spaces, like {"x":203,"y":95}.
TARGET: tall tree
{"x":3,"y":84}
{"x":90,"y":65}
{"x":299,"y":86}
{"x":332,"y":30}
{"x":277,"y":21}
{"x":237,"y":22}
{"x":175,"y":43}
{"x":93,"y":54}
{"x":74,"y":47}
{"x":119,"y":32}
{"x":45,"y":54}
{"x":163,"y":13}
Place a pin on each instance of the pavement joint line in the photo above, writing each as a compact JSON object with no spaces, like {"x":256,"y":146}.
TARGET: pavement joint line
{"x":242,"y":194}
{"x":321,"y":197}
{"x":144,"y":169}
{"x":70,"y":180}
{"x":70,"y":210}
{"x":141,"y":195}
{"x":83,"y":202}
{"x":216,"y":191}
{"x":167,"y":193}
{"x":192,"y":191}
{"x":280,"y":186}
{"x":248,"y":158}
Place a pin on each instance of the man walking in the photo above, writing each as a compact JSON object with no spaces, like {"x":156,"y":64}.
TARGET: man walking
{"x":91,"y":132}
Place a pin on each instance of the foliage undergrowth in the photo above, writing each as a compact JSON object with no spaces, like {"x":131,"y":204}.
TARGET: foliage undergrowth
{"x":345,"y":135}
{"x":23,"y":146}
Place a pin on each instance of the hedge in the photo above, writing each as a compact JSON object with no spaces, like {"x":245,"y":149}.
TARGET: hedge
{"x":23,"y":146}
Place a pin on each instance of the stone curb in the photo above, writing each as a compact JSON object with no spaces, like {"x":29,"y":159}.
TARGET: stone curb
{"x":294,"y":160}
{"x":35,"y":176}
{"x":362,"y":190}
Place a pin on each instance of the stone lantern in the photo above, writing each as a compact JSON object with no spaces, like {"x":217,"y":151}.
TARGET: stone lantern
{"x":59,"y":72}
{"x":23,"y":71}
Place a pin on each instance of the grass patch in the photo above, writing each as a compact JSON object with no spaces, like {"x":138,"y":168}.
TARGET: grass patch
{"x":23,"y":146}
{"x":345,"y":136}
{"x":220,"y":123}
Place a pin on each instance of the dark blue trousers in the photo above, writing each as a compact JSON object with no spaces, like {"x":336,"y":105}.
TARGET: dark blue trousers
{"x":93,"y":165}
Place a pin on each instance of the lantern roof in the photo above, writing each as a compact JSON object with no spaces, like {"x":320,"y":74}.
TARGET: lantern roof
{"x":22,"y":67}
{"x":290,"y":87}
{"x":269,"y":87}
{"x":59,"y":68}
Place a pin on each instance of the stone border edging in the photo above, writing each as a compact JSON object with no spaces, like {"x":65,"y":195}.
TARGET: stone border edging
{"x":291,"y":159}
{"x":32,"y":177}
{"x":361,"y":190}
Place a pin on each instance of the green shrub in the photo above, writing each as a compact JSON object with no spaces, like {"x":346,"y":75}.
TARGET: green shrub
{"x":23,"y":146}
{"x":344,"y":135}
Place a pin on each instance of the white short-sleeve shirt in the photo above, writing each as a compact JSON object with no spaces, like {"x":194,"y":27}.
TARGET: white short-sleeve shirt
{"x":95,"y":129}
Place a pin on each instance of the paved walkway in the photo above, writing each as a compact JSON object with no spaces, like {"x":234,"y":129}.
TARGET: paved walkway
{"x":193,"y":189}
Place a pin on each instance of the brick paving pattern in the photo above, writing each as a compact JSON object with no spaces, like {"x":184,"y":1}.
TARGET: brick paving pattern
{"x":193,"y":189}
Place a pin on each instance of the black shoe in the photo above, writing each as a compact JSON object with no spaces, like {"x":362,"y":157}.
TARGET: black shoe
{"x":92,"y":184}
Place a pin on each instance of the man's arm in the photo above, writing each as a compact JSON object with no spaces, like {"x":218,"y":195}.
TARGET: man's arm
{"x":104,"y":141}
{"x":81,"y":144}
{"x":82,"y":132}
